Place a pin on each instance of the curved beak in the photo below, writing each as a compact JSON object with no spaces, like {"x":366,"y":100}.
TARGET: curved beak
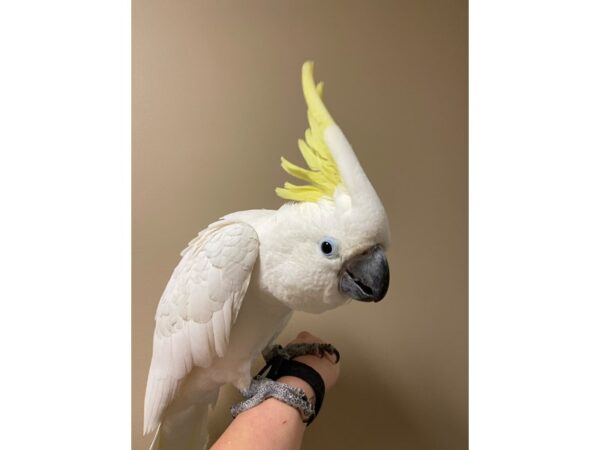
{"x":366,"y":277}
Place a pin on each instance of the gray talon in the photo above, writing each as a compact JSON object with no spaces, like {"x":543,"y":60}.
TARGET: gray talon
{"x":291,"y":351}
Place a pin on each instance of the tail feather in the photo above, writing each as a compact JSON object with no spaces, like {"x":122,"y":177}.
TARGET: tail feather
{"x":185,"y":429}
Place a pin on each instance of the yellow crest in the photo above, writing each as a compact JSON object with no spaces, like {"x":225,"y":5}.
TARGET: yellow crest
{"x":323,"y":176}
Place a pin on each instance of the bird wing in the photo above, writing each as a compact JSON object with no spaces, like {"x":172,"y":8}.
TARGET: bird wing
{"x":197,"y":309}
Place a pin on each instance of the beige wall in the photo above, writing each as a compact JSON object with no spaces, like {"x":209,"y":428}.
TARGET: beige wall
{"x":217,"y":101}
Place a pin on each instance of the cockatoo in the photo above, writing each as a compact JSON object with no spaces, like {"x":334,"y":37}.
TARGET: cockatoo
{"x":239,"y":281}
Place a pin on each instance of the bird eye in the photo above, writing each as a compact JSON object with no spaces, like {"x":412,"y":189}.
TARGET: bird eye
{"x":329,"y":247}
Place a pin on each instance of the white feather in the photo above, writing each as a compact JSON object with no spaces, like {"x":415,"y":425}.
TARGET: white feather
{"x":195,"y":313}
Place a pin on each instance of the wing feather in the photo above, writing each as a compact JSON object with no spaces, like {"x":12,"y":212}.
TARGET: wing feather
{"x":197,"y":309}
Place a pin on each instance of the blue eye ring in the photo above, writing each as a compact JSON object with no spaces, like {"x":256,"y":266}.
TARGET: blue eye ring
{"x":329,"y":247}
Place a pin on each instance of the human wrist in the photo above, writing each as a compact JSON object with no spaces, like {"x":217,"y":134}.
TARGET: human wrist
{"x":299,"y":383}
{"x":303,"y":380}
{"x":297,"y":375}
{"x":324,"y":366}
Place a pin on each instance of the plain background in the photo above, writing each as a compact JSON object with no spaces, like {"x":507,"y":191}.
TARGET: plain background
{"x":217,"y":100}
{"x":534,"y":241}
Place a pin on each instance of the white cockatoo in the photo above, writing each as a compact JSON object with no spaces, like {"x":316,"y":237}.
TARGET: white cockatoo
{"x":239,"y":281}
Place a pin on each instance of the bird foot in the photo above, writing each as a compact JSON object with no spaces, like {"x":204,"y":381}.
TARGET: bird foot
{"x":291,"y":351}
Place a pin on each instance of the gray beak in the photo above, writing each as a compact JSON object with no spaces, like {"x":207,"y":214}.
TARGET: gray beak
{"x":366,"y":277}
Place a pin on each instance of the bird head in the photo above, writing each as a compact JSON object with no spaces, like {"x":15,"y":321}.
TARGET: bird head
{"x":328,"y":243}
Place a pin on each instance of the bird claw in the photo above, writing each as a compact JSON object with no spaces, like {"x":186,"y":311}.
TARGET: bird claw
{"x":291,"y":351}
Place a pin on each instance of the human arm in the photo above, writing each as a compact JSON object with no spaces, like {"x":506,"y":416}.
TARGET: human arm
{"x":274,"y":425}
